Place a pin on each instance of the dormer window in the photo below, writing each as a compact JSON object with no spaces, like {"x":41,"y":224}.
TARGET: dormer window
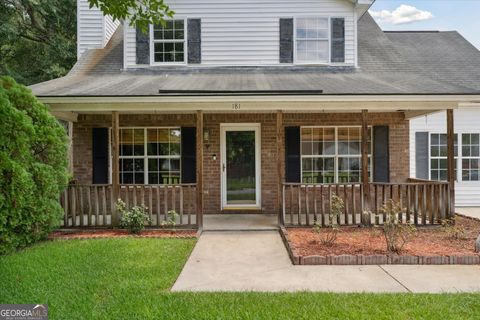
{"x":312,"y":40}
{"x":168,"y":42}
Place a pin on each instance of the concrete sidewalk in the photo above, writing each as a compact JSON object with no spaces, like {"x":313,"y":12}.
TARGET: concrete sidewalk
{"x":258,"y":261}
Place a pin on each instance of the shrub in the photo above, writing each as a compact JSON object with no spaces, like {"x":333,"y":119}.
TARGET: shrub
{"x":171,"y":219}
{"x":33,"y":167}
{"x":454,"y":231}
{"x":133,"y":219}
{"x":395,"y":232}
{"x":328,"y":234}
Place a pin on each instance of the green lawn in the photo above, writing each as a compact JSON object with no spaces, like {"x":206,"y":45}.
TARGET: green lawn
{"x":129,"y":278}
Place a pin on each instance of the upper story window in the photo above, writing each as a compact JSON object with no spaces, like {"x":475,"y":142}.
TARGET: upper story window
{"x":312,"y":40}
{"x":169,"y":42}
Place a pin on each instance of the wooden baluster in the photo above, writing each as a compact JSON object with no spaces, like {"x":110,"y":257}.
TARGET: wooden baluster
{"x":65,"y":207}
{"x":408,"y":198}
{"x":174,"y":201}
{"x":142,"y":195}
{"x":74,"y":206}
{"x":415,"y":203}
{"x":104,"y":204}
{"x":337,"y":193}
{"x":353,"y":208}
{"x":329,"y":202}
{"x":377,"y":217}
{"x":150,"y":204}
{"x":81,"y":205}
{"x":384,"y":200}
{"x":400,"y":202}
{"x":424,"y":204}
{"x":322,"y":206}
{"x":283,"y":204}
{"x":315,"y":212}
{"x":307,"y":220}
{"x":291,"y":204}
{"x":113,"y":201}
{"x":127,"y":196}
{"x":299,"y":205}
{"x":135,"y":195}
{"x":345,"y":207}
{"x":181,"y":203}
{"x":165,"y":201}
{"x":89,"y":203}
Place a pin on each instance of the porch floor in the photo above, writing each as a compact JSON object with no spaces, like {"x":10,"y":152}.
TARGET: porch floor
{"x":239,"y":222}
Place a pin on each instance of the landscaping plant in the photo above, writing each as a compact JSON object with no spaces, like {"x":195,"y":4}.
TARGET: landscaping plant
{"x":171,"y":219}
{"x":328,"y":234}
{"x":454,"y":231}
{"x":396,"y":233}
{"x":133,"y":219}
{"x":33,"y":167}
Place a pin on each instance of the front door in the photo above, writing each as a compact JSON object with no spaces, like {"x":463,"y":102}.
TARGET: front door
{"x":240,"y":166}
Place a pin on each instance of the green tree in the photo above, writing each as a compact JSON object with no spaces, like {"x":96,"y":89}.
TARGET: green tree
{"x":37,"y":39}
{"x":33,"y":167}
{"x":140,"y":13}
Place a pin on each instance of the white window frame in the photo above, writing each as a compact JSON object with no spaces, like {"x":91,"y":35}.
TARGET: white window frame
{"x":329,"y":39}
{"x":459,"y":158}
{"x":336,"y":155}
{"x":185,"y":43}
{"x":146,"y":157}
{"x":462,"y":157}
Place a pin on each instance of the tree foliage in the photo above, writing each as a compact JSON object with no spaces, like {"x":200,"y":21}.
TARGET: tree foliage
{"x":140,"y":13}
{"x":37,"y":39}
{"x":33,"y":167}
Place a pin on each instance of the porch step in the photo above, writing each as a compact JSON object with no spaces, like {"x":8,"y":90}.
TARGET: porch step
{"x":240,"y":222}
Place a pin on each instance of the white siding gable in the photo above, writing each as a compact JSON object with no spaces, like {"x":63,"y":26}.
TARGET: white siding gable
{"x":93,"y":29}
{"x":246,"y":33}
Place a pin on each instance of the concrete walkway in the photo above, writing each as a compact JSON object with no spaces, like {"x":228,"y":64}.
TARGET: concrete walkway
{"x":239,"y":222}
{"x":258,"y":261}
{"x":473,"y":212}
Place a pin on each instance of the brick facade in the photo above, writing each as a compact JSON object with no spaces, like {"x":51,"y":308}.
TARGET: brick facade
{"x":399,"y":145}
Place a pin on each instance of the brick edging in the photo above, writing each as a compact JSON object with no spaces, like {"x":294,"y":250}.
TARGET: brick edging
{"x":348,"y":259}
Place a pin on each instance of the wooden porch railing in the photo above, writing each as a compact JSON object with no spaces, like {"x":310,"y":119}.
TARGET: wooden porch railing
{"x":92,"y":205}
{"x":423,"y":202}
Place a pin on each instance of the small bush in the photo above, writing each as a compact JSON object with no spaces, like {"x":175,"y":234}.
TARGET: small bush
{"x":171,"y":219}
{"x":328,"y":234}
{"x":396,"y":234}
{"x":133,"y":219}
{"x":454,"y":231}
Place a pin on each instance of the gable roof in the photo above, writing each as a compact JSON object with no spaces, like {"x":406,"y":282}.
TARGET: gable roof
{"x":389,"y":63}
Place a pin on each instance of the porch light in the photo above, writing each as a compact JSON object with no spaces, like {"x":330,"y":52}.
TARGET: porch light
{"x":206,"y":135}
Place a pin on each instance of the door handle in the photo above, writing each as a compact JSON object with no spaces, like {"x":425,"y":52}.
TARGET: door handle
{"x":223,"y":167}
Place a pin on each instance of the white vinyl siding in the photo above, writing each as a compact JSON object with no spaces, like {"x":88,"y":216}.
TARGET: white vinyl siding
{"x":93,"y":29}
{"x":466,"y":121}
{"x":247,"y":33}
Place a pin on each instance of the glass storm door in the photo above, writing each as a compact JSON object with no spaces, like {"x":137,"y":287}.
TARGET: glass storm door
{"x":240,"y":165}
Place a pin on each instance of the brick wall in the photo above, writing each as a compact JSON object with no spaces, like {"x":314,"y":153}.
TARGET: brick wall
{"x":399,"y":145}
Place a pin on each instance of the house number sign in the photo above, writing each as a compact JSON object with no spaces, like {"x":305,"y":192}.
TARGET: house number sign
{"x":235,"y":106}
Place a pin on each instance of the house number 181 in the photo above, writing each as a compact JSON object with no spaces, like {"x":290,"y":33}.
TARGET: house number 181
{"x":236,"y":106}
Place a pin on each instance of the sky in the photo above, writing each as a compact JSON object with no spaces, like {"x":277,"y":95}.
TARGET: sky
{"x":444,"y":15}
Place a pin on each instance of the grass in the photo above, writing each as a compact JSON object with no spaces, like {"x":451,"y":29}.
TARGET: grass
{"x":129,"y":278}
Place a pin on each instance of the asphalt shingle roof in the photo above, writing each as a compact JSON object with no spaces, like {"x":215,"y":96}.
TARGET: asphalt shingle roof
{"x":389,"y":63}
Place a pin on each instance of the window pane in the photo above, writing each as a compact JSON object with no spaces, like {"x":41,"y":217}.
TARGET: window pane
{"x":139,"y":142}
{"x":307,"y":148}
{"x":152,"y":142}
{"x":126,"y":142}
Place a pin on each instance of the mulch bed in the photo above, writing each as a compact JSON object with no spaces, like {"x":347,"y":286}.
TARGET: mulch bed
{"x":357,"y":241}
{"x":117,"y":233}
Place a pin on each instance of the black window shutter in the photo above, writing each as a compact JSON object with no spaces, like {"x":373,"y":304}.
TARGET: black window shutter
{"x":381,"y":154}
{"x":142,"y":47}
{"x":194,"y":35}
{"x":292,"y":154}
{"x":286,"y":40}
{"x":338,"y":40}
{"x":421,"y":155}
{"x":189,"y":163}
{"x":100,"y":155}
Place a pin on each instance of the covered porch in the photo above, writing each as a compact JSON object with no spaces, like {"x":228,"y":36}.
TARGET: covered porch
{"x":304,"y":201}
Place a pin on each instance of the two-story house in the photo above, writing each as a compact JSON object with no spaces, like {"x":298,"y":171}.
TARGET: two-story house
{"x":256,"y":107}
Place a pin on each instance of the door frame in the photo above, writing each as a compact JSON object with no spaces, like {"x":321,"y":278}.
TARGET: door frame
{"x":224,"y":127}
